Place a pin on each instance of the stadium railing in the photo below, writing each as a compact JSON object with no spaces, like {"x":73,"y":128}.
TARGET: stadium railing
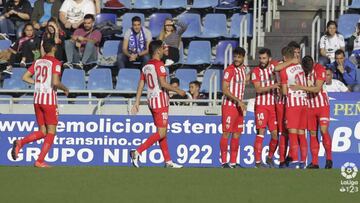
{"x":315,"y":37}
{"x":330,"y":8}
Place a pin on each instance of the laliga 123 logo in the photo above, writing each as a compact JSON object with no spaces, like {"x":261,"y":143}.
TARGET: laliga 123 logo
{"x":349,"y":172}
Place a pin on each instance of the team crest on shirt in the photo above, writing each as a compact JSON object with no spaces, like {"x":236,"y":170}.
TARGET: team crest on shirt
{"x":162,"y":69}
{"x":58,"y":68}
{"x":253,"y":76}
{"x":226,"y":76}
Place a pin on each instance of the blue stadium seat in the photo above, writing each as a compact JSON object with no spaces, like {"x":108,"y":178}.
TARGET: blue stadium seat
{"x":5,"y":97}
{"x":14,"y":84}
{"x":185,"y":76}
{"x":220,"y":50}
{"x":347,"y":23}
{"x":100,"y":79}
{"x":214,"y":26}
{"x":173,"y":4}
{"x":146,"y":4}
{"x":205,"y":3}
{"x":199,"y":52}
{"x":74,"y":79}
{"x":355,"y":4}
{"x":103,"y":17}
{"x":126,"y":20}
{"x":32,"y":2}
{"x":205,"y":86}
{"x":18,"y":72}
{"x":194,"y":24}
{"x":4,"y":44}
{"x":110,"y":49}
{"x":30,"y":99}
{"x":128,"y":79}
{"x":115,"y":102}
{"x":85,"y":102}
{"x":235,"y":25}
{"x":156,"y":23}
{"x":126,"y":3}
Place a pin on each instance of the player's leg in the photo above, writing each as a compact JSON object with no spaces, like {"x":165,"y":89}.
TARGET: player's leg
{"x":224,"y":140}
{"x":301,"y":135}
{"x":312,"y":126}
{"x":283,"y":135}
{"x":326,"y":139}
{"x":41,"y":133}
{"x":227,"y":120}
{"x":261,"y":122}
{"x":236,"y":129}
{"x":272,"y":125}
{"x":51,"y":120}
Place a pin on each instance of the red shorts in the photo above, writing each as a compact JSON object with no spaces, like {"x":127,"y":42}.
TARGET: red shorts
{"x":265,"y":116}
{"x":160,"y":117}
{"x":232,"y":119}
{"x":46,"y":114}
{"x":296,"y":117}
{"x":280,"y":117}
{"x":318,"y":117}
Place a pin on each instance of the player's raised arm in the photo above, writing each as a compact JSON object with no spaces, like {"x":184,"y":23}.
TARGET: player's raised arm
{"x":58,"y":84}
{"x":168,"y":87}
{"x":285,"y":64}
{"x":139,"y":91}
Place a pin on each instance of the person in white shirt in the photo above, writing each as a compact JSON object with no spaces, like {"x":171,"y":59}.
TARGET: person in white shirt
{"x":330,"y":42}
{"x":333,"y":85}
{"x":72,"y":12}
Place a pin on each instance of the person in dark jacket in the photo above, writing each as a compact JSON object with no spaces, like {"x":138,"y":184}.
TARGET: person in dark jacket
{"x":43,"y":11}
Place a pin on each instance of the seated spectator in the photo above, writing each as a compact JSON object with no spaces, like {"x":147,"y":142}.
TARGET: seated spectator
{"x":43,"y":11}
{"x":83,"y":46}
{"x":333,"y":85}
{"x":329,"y":43}
{"x":171,"y":35}
{"x":54,"y":33}
{"x":25,"y":49}
{"x":344,"y":70}
{"x":175,"y":82}
{"x":72,"y":13}
{"x":135,"y":47}
{"x":354,"y":46}
{"x":194,"y":89}
{"x":15,"y":14}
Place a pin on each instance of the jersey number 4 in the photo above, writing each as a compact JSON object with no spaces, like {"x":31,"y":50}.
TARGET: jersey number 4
{"x":41,"y":74}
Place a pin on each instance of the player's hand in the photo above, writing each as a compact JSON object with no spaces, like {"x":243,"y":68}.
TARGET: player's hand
{"x":11,"y":12}
{"x":135,"y":109}
{"x":181,"y":93}
{"x":241,"y":105}
{"x":275,"y":86}
{"x":295,"y":87}
{"x":37,"y":26}
{"x":68,"y":25}
{"x":66,"y":92}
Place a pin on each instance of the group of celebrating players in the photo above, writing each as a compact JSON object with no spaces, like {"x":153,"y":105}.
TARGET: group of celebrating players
{"x":289,"y":100}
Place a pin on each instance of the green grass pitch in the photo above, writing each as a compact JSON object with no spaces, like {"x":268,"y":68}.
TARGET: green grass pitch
{"x":122,"y":184}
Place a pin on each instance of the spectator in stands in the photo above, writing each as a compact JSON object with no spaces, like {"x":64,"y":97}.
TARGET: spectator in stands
{"x":135,"y":47}
{"x":175,"y":82}
{"x":354,"y":46}
{"x":15,"y":14}
{"x":43,"y":11}
{"x":333,"y":85}
{"x":25,"y":49}
{"x":194,"y":89}
{"x":171,"y":35}
{"x":83,"y":46}
{"x":329,"y":43}
{"x":72,"y":13}
{"x":54,"y":32}
{"x":344,"y":70}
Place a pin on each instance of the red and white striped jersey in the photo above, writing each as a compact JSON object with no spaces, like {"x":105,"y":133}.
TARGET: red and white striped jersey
{"x":43,"y":69}
{"x":157,"y":97}
{"x":320,"y":99}
{"x":291,"y":75}
{"x":265,"y":77}
{"x":236,"y":77}
{"x":279,"y":98}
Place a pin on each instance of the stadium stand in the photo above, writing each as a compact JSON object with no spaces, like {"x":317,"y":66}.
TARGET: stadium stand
{"x":128,"y":79}
{"x":147,"y":4}
{"x":74,"y":79}
{"x":186,"y":76}
{"x":194,"y":24}
{"x":220,"y":50}
{"x":173,"y":4}
{"x":214,"y":26}
{"x":347,"y":24}
{"x":156,"y":23}
{"x":100,"y":79}
{"x":205,"y":86}
{"x":196,"y":57}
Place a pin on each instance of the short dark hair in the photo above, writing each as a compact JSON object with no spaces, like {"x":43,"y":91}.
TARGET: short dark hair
{"x":294,"y":45}
{"x":48,"y":45}
{"x":89,"y":16}
{"x":288,"y":52}
{"x":174,"y":80}
{"x":195,"y":82}
{"x":135,"y":19}
{"x":328,"y":24}
{"x":154,"y":45}
{"x":239,"y":51}
{"x":307,"y":62}
{"x":330,"y":69}
{"x":339,"y":51}
{"x":265,"y":51}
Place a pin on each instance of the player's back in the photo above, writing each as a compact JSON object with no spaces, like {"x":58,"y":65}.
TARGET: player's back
{"x":292,"y":75}
{"x":43,"y":69}
{"x":157,"y":97}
